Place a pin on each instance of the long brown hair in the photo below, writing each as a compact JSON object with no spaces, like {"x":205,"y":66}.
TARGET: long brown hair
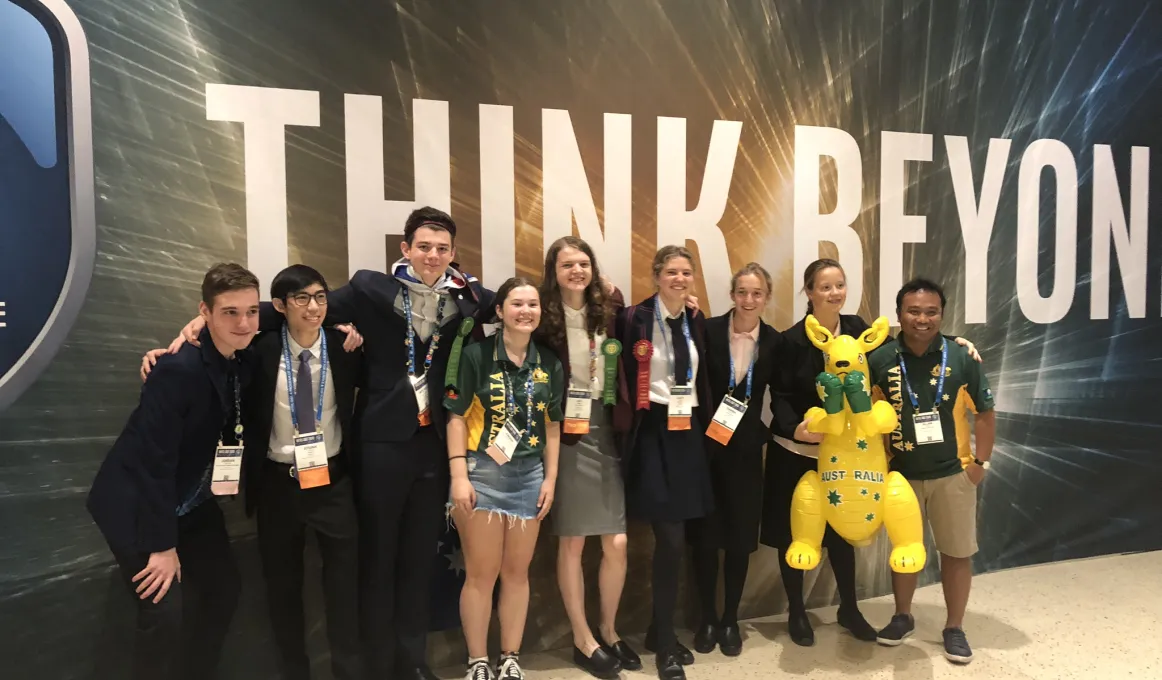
{"x":813,"y":269}
{"x":598,"y":311}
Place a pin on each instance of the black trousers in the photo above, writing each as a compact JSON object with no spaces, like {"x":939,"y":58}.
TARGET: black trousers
{"x":285,"y":513}
{"x":401,"y":493}
{"x":182,"y":636}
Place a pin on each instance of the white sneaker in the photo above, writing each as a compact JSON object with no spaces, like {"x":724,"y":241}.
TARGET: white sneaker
{"x":480,"y":671}
{"x":509,"y":669}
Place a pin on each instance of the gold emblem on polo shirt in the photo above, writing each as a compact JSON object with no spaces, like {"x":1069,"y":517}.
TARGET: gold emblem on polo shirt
{"x":539,"y":376}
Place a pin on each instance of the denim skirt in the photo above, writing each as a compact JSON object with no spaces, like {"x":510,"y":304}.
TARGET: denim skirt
{"x":510,"y":490}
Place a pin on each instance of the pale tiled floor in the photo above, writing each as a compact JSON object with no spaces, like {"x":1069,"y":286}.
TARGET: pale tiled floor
{"x":1099,"y":618}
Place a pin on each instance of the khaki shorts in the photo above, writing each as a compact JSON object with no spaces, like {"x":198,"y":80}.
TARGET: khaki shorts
{"x":949,"y":506}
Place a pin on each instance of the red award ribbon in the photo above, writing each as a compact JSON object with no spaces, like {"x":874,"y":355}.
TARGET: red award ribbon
{"x":642,"y":351}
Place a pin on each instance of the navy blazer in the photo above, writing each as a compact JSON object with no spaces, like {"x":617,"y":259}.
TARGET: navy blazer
{"x":752,"y":431}
{"x":637,"y":323}
{"x":385,"y":409}
{"x":166,"y":447}
{"x":258,"y":401}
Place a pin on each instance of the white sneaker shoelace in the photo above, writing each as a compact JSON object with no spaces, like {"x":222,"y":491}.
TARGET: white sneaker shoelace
{"x":479,"y":671}
{"x":510,"y":669}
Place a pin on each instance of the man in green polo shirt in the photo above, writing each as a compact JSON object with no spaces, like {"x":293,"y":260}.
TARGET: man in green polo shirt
{"x":934,"y":384}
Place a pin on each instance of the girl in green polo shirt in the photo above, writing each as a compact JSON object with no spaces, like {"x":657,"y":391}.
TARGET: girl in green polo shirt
{"x":504,"y":433}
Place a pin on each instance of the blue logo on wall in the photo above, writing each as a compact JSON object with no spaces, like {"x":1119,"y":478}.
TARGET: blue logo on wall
{"x":47,"y":223}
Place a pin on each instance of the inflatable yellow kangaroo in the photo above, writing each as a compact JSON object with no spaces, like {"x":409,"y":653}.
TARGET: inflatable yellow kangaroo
{"x":853,"y":490}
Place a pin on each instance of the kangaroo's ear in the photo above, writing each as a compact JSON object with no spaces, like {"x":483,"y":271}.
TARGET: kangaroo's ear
{"x":874,"y":336}
{"x":817,"y":334}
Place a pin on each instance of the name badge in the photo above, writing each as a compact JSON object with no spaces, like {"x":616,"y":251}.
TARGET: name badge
{"x":420,"y":387}
{"x":578,"y":408}
{"x":311,"y":460}
{"x":681,"y":406}
{"x":726,"y":420}
{"x":227,"y":470}
{"x":928,"y":430}
{"x":503,"y":447}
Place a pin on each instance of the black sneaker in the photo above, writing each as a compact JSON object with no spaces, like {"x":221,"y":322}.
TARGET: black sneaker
{"x":956,"y":647}
{"x":902,"y":626}
{"x":509,"y":667}
{"x":480,"y":671}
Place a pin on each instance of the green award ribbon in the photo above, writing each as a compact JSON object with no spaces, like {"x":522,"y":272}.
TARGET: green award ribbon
{"x":453,"y":369}
{"x":611,"y":349}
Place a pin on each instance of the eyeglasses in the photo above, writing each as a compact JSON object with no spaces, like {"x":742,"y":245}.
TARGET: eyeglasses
{"x":304,"y":299}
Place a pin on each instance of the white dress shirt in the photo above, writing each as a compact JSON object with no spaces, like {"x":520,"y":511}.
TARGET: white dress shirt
{"x":661,"y":380}
{"x":742,"y":349}
{"x":577,"y":335}
{"x":282,"y":443}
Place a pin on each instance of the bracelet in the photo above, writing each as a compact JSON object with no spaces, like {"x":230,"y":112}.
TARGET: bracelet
{"x":452,"y":458}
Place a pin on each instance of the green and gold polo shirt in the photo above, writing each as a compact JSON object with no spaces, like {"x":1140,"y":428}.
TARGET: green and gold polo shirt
{"x":481,"y":392}
{"x":965,"y":389}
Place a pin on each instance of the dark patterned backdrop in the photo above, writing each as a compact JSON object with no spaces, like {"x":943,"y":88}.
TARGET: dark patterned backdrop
{"x":1076,"y":466}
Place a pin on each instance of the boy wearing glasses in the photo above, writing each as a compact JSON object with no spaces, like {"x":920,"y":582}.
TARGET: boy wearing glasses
{"x":299,"y":407}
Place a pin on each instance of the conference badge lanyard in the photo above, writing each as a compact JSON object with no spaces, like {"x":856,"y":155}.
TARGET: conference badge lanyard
{"x":420,"y":383}
{"x":681,"y":405}
{"x":310,"y":449}
{"x":579,"y":403}
{"x":927,"y":425}
{"x":228,"y":459}
{"x":731,"y":410}
{"x":503,"y":446}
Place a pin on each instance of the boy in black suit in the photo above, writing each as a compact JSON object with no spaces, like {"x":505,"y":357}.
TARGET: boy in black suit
{"x":303,"y":391}
{"x":153,"y":497}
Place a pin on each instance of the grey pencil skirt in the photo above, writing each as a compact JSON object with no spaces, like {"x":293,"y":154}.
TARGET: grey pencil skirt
{"x":590,"y":495}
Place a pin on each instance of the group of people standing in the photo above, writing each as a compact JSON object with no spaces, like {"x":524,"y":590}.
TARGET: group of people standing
{"x":433,"y":397}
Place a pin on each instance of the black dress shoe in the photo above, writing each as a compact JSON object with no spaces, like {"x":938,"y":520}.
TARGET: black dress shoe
{"x":852,"y":619}
{"x":706,"y":638}
{"x":418,"y":673}
{"x":625,"y":655}
{"x":799,"y":626}
{"x":685,"y":656}
{"x":670,"y":667}
{"x":601,"y":664}
{"x":730,"y":639}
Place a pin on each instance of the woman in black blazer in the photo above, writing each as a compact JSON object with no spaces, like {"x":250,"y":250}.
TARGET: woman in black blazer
{"x":667,"y":479}
{"x":794,"y":451}
{"x":740,"y":362}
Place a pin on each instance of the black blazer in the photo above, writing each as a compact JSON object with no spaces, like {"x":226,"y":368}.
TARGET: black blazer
{"x":259,"y":398}
{"x":166,"y":447}
{"x":385,"y":408}
{"x":799,"y":362}
{"x":752,"y":432}
{"x":633,"y":324}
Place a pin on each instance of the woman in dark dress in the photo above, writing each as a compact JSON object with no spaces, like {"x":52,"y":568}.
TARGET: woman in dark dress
{"x":740,"y":362}
{"x":661,"y":419}
{"x":794,"y":451}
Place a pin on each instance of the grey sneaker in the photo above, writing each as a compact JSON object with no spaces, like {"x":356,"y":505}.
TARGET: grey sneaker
{"x":480,"y":671}
{"x":956,"y":647}
{"x":901,"y":626}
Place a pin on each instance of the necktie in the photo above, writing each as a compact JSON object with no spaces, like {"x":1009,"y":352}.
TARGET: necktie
{"x":305,"y":394}
{"x":681,"y":350}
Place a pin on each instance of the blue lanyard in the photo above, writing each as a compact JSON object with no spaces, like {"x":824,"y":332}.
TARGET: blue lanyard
{"x":411,"y":341}
{"x":670,"y":357}
{"x":749,"y":372}
{"x":509,"y":397}
{"x":940,"y":381}
{"x":290,"y":381}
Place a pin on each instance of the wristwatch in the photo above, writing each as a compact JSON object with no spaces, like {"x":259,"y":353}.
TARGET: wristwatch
{"x":983,"y":463}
